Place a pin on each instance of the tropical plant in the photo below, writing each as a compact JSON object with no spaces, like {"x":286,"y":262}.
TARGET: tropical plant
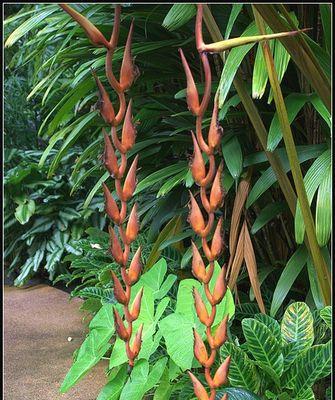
{"x":278,"y":360}
{"x":41,"y":221}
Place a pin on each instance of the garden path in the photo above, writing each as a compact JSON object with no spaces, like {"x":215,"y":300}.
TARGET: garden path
{"x":37,"y":353}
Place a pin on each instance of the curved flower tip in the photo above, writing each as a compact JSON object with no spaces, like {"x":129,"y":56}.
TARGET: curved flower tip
{"x":221,"y":375}
{"x":132,"y":226}
{"x":111,"y":207}
{"x":119,"y":326}
{"x":198,"y":387}
{"x":92,"y":32}
{"x":216,"y":195}
{"x":127,"y":72}
{"x":115,"y":247}
{"x":109,"y":157}
{"x":135,"y":268}
{"x":130,"y":181}
{"x":192,"y":96}
{"x":198,"y":266}
{"x":197,"y":166}
{"x":128,"y":130}
{"x":119,"y":292}
{"x":199,"y":348}
{"x":106,"y":106}
{"x":220,"y":287}
{"x":196,"y":218}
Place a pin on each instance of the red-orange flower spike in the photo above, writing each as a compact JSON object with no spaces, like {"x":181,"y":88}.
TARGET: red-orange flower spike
{"x":200,"y":308}
{"x":106,"y":106}
{"x":110,"y":159}
{"x":119,"y":292}
{"x":216,"y":246}
{"x":135,"y":267}
{"x":137,"y":341}
{"x":220,"y":286}
{"x":216,"y":196}
{"x":111,"y":207}
{"x":198,"y":388}
{"x":130,"y":181}
{"x":132,"y":226}
{"x":192,"y":96}
{"x":221,"y":333}
{"x":127,"y":73}
{"x":221,"y":375}
{"x":115,"y":247}
{"x":197,"y":166}
{"x":200,"y":350}
{"x":136,"y":307}
{"x":92,"y":32}
{"x":195,"y":217}
{"x":119,"y":326}
{"x":198,"y":266}
{"x":128,"y":130}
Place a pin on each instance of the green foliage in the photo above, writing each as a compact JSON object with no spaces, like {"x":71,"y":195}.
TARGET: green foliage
{"x":41,"y":226}
{"x":279,"y":361}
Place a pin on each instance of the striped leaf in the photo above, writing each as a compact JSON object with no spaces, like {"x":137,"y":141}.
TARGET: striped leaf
{"x":310,"y":366}
{"x":237,"y":394}
{"x":264,"y":347}
{"x":297,"y":326}
{"x":242,"y":371}
{"x":326,"y":315}
{"x":271,"y":323}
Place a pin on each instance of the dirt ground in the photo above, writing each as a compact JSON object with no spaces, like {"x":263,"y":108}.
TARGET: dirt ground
{"x":37,"y":353}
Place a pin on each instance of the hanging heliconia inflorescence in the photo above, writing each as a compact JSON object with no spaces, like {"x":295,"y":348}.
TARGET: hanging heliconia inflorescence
{"x":211,"y":198}
{"x":125,"y":183}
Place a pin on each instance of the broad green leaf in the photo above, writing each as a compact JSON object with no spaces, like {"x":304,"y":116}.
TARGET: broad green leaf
{"x":112,"y":390}
{"x":264,"y":347}
{"x":178,"y":15}
{"x":312,"y":180}
{"x":93,"y":348}
{"x":326,"y":315}
{"x":242,"y":371}
{"x":290,"y":273}
{"x":297,"y":326}
{"x":156,"y":373}
{"x":181,"y":351}
{"x":135,"y":386}
{"x":323,"y":220}
{"x":269,"y":212}
{"x":232,"y":154}
{"x":24,"y":211}
{"x":164,"y":389}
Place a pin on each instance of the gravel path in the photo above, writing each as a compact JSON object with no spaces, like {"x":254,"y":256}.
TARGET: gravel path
{"x":37,"y":353}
